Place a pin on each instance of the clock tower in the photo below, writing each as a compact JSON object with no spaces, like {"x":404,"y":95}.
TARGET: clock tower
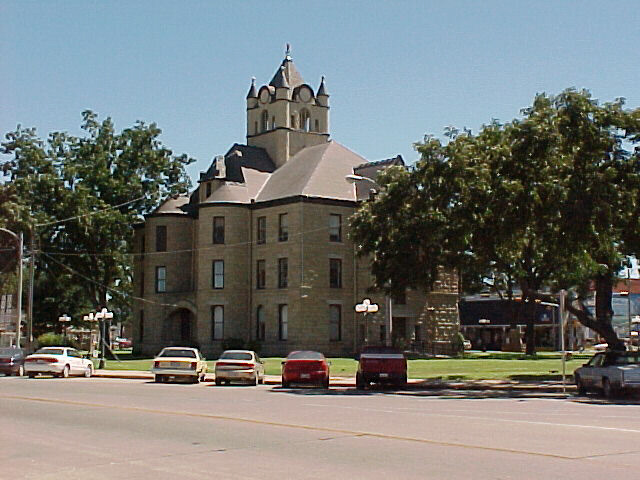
{"x":287,"y":115}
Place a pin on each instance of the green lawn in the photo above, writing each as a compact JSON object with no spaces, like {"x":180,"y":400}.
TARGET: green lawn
{"x":474,"y":367}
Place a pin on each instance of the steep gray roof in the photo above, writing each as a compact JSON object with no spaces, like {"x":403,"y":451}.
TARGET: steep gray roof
{"x":318,"y":171}
{"x":239,"y":192}
{"x":238,"y":157}
{"x":291,"y":74}
{"x":371,"y":169}
{"x":322,"y":89}
{"x":252,"y":93}
{"x":173,"y":205}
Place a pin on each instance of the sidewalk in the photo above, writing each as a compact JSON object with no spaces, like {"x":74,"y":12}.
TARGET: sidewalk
{"x":413,"y":384}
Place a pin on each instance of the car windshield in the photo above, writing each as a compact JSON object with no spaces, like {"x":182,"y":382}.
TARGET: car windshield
{"x":51,"y":351}
{"x":177,"y":352}
{"x":305,"y":355}
{"x":236,"y":356}
{"x":626,"y":360}
{"x":380,"y":349}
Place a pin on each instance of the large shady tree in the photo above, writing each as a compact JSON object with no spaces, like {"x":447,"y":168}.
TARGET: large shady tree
{"x":546,"y":201}
{"x":79,"y":196}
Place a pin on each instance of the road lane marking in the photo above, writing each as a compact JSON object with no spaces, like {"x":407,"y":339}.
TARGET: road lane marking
{"x":491,"y":419}
{"x":354,"y":433}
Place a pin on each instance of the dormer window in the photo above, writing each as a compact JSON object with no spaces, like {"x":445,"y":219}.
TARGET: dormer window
{"x":294,"y":123}
{"x":265,"y":121}
{"x":305,"y":120}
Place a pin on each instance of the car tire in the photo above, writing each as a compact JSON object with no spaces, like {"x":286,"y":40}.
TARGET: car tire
{"x":196,"y":379}
{"x":88,"y":371}
{"x":261,"y":380}
{"x":31,"y":375}
{"x":325,"y":384}
{"x":65,"y":372}
{"x":218,"y":381}
{"x":256,"y":379}
{"x":360,"y":385}
{"x":582,"y":391}
{"x":159,"y":379}
{"x":285,"y":384}
{"x":402,"y":383}
{"x":607,"y":389}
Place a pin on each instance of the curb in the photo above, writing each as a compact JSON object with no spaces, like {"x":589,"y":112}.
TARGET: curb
{"x":414,"y":384}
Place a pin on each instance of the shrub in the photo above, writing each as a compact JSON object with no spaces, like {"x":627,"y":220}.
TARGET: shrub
{"x":51,"y":339}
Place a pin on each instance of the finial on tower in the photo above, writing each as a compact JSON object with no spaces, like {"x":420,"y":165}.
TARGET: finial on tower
{"x":287,"y":52}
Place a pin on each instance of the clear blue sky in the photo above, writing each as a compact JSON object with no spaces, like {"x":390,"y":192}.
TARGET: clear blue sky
{"x":395,"y":70}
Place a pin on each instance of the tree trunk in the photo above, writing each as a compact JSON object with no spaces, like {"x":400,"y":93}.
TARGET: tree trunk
{"x":530,"y":335}
{"x":604,"y":312}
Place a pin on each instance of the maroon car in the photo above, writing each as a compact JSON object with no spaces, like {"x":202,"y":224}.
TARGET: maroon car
{"x":384,"y":365}
{"x":12,"y":361}
{"x":305,"y":367}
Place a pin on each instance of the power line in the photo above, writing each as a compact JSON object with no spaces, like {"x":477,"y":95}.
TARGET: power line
{"x":90,"y":213}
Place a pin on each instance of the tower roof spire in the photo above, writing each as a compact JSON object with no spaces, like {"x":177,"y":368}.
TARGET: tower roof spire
{"x":253,"y":93}
{"x":289,"y":71}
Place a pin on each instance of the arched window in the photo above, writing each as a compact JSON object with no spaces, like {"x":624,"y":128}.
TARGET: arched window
{"x":294,"y":123}
{"x":260,"y":323}
{"x":265,"y":121}
{"x":273,"y":123}
{"x":305,"y":120}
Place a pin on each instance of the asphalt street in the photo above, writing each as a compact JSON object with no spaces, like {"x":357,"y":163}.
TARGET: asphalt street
{"x":97,"y":429}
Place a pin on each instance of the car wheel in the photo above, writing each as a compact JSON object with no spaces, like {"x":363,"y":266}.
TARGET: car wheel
{"x":65,"y":372}
{"x":402,"y":383}
{"x":359,"y":382}
{"x":159,"y":379}
{"x":607,"y":389}
{"x":31,"y":375}
{"x":256,"y":379}
{"x":218,"y":381}
{"x":580,"y":386}
{"x":88,"y":371}
{"x":196,"y":379}
{"x":325,"y":384}
{"x":285,"y":384}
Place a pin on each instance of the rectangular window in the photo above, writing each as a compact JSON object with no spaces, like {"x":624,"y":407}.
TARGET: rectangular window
{"x":283,"y":322}
{"x":208,"y":190}
{"x":335,"y":228}
{"x":261,"y":231}
{"x":260,"y":323}
{"x":161,"y":279}
{"x":335,"y":273}
{"x":161,"y":238}
{"x":218,"y":274}
{"x":283,"y":227}
{"x":217,"y":322}
{"x":141,"y":331}
{"x":283,"y":273}
{"x":260,"y":274}
{"x":218,"y":230}
{"x":335,"y":323}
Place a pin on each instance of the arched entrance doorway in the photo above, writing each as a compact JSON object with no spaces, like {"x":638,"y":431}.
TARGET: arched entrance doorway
{"x":179,"y":328}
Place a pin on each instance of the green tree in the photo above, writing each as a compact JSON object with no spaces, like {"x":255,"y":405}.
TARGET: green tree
{"x":79,"y":197}
{"x":510,"y":203}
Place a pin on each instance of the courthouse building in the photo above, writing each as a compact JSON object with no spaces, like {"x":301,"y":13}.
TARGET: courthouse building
{"x":260,"y":250}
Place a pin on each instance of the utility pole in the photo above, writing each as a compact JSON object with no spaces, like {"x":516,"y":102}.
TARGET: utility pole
{"x":32,"y":261}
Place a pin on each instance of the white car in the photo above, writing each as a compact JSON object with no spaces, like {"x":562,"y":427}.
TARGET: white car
{"x":179,"y":363}
{"x":239,"y":365}
{"x":58,"y":361}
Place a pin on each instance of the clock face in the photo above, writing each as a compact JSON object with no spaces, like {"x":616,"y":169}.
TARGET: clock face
{"x":305,"y":94}
{"x":264,"y":96}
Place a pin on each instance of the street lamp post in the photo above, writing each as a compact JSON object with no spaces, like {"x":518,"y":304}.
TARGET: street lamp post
{"x":63,"y":320}
{"x":366,"y":307}
{"x":90,"y":318}
{"x":102,"y":316}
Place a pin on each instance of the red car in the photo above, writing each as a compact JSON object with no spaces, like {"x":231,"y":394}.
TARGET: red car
{"x":385,"y":365}
{"x":305,"y":367}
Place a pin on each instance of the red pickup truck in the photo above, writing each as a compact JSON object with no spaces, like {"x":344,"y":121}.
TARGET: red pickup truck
{"x":385,"y":365}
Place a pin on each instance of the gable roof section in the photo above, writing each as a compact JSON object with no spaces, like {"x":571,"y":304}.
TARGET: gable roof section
{"x":318,"y":171}
{"x":371,"y":169}
{"x":173,"y":205}
{"x":239,"y":192}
